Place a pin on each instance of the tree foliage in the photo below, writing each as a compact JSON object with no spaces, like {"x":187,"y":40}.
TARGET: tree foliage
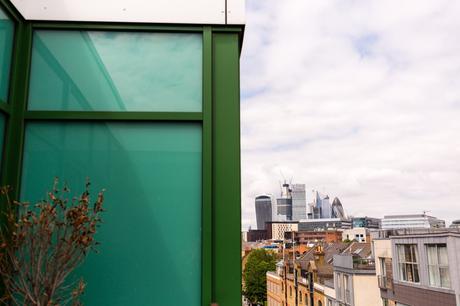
{"x":254,"y":275}
{"x":41,"y":244}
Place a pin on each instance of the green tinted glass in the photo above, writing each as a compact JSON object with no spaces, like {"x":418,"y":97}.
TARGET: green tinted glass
{"x":2,"y":135}
{"x":6,"y":46}
{"x":116,"y":71}
{"x":151,"y":235}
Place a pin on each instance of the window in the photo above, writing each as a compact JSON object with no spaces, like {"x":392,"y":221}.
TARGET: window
{"x":152,"y":172}
{"x":6,"y":47}
{"x":346,"y":289}
{"x":408,"y":263}
{"x":329,"y":302}
{"x":385,"y":302}
{"x":290,"y":290}
{"x":438,"y":265}
{"x":383,"y":269}
{"x":101,"y":71}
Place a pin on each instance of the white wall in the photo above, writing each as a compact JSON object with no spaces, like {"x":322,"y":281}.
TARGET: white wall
{"x":148,"y":11}
{"x":366,"y":290}
{"x":381,"y":248}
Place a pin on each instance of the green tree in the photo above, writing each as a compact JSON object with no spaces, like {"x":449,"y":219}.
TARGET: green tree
{"x":255,"y":281}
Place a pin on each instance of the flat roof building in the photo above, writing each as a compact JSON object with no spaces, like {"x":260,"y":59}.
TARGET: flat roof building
{"x":411,"y":221}
{"x":419,"y":267}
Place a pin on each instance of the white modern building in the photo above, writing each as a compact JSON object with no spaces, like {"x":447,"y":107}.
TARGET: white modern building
{"x":359,"y":234}
{"x":411,"y":221}
{"x":279,"y":228}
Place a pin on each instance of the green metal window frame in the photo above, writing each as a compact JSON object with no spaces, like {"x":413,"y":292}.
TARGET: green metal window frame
{"x":220,"y":119}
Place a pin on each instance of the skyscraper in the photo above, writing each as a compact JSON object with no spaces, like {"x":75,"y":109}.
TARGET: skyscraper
{"x":263,"y":210}
{"x":284,"y":204}
{"x":299,"y":204}
{"x":320,"y":208}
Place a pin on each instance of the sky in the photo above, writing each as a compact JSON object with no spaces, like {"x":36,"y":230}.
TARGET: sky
{"x":357,"y":99}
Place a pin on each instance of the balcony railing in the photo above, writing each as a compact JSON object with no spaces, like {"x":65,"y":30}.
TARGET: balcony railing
{"x":363,"y":264}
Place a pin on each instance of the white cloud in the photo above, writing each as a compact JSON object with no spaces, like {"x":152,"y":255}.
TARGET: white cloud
{"x":360,"y":99}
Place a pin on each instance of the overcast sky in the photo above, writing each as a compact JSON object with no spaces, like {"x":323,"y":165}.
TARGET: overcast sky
{"x":358,"y":99}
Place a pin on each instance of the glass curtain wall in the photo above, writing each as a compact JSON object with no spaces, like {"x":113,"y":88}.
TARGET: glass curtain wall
{"x":6,"y":46}
{"x":150,"y":248}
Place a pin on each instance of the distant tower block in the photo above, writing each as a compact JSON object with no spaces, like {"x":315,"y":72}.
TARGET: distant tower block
{"x":284,"y":204}
{"x":299,"y":202}
{"x":263,"y":210}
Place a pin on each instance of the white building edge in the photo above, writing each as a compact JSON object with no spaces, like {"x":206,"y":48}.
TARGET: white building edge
{"x":219,"y":12}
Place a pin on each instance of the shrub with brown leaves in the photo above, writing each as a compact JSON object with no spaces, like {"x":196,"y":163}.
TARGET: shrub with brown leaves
{"x":41,"y":245}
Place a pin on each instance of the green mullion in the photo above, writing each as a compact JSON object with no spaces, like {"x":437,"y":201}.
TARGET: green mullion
{"x":4,"y":107}
{"x":111,"y":26}
{"x":226,"y":170}
{"x":206,"y":274}
{"x":14,"y":139}
{"x":88,"y":115}
{"x":11,"y":10}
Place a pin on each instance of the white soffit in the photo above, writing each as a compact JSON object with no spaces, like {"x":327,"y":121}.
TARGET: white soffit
{"x":148,"y":11}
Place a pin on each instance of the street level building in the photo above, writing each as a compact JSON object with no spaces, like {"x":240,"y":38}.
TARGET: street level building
{"x":418,"y":267}
{"x":355,"y":281}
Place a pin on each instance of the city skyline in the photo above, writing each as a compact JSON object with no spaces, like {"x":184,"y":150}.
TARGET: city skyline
{"x":353,"y":101}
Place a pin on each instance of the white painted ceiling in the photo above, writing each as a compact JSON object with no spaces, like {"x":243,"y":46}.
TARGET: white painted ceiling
{"x":147,"y":11}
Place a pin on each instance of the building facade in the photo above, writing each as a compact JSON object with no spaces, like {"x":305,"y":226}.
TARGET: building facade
{"x":277,"y":230}
{"x":366,"y":222}
{"x":358,"y":234}
{"x":355,"y":281}
{"x":324,"y":224}
{"x":142,"y":99}
{"x":284,"y":204}
{"x":411,"y":221}
{"x":299,"y":202}
{"x":309,"y":237}
{"x":263,"y":204}
{"x":418,"y":267}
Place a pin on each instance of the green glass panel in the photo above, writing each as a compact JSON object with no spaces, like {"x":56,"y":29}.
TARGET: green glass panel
{"x":151,"y":236}
{"x":2,"y":135}
{"x":116,"y":71}
{"x":6,"y":47}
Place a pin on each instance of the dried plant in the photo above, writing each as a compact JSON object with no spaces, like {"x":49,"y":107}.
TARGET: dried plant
{"x":42,"y":244}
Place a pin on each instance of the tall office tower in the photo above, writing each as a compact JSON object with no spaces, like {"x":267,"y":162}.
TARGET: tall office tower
{"x":320,"y":208}
{"x":299,"y":204}
{"x":284,"y":204}
{"x":263,"y":210}
{"x":337,"y":209}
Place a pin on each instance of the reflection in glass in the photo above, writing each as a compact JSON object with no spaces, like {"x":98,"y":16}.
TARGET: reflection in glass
{"x":116,"y":71}
{"x":6,"y":47}
{"x":151,"y":241}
